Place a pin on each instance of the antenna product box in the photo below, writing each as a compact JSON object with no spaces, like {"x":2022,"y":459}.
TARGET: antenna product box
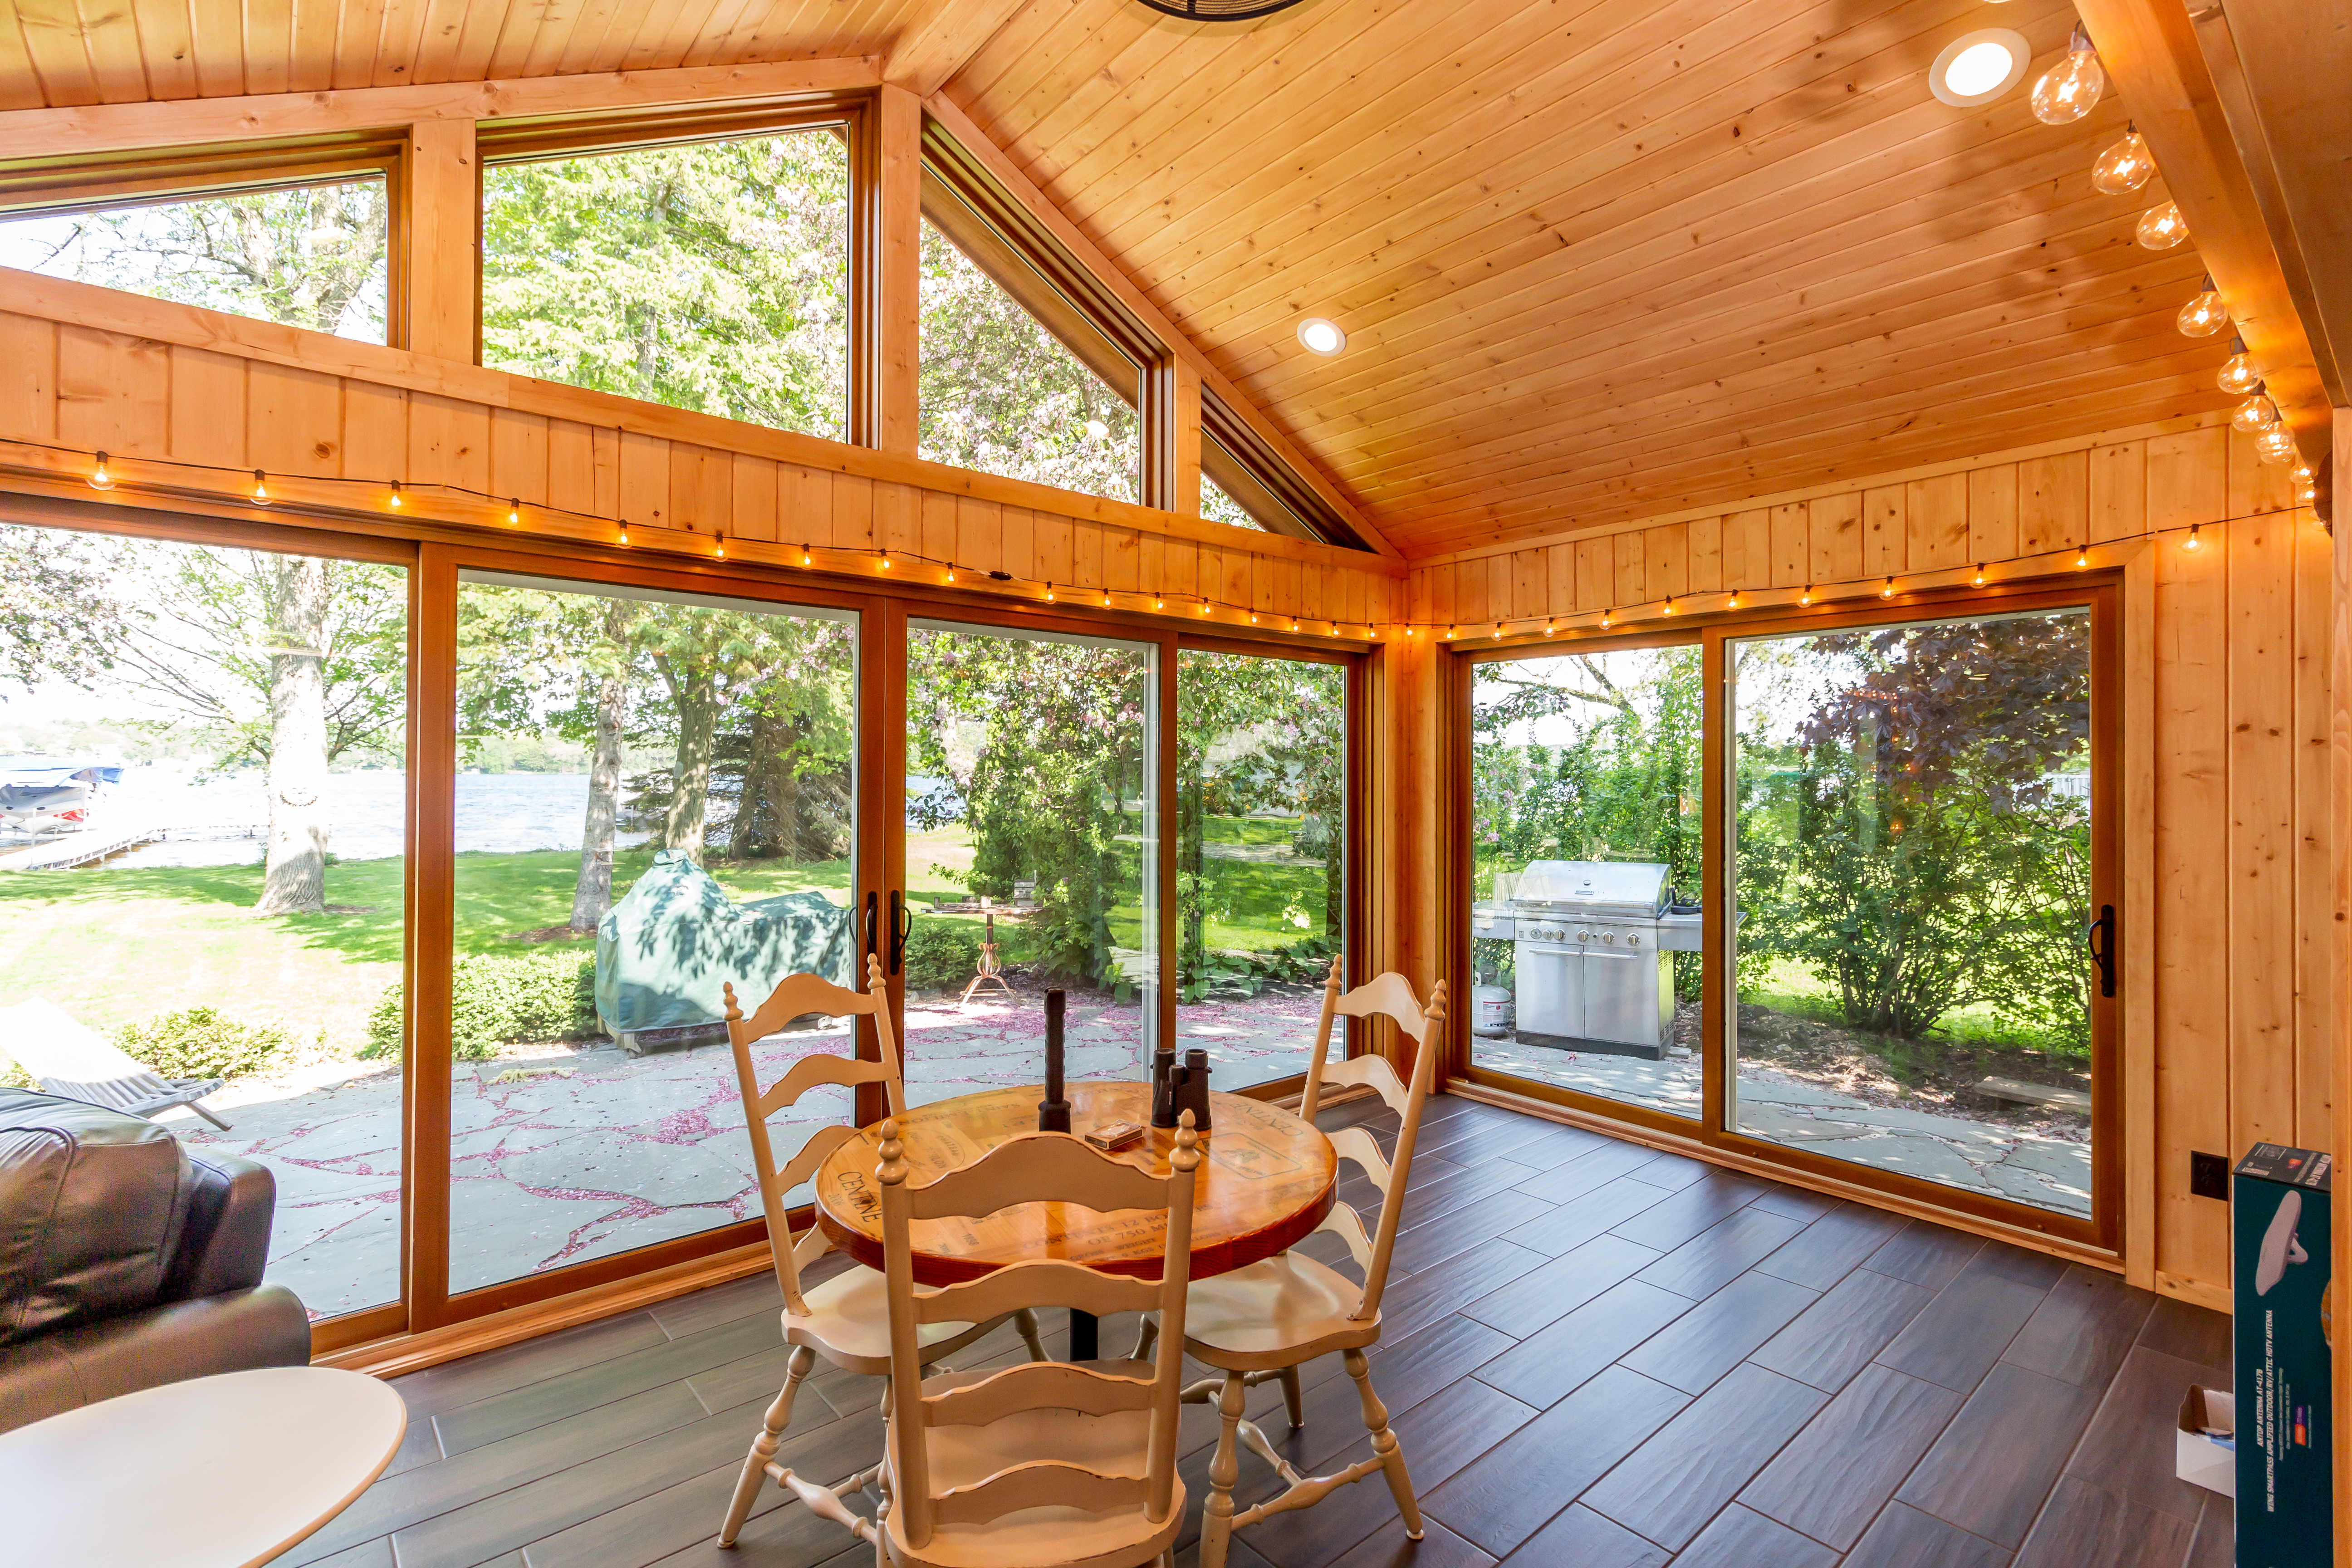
{"x":2285,"y":1492}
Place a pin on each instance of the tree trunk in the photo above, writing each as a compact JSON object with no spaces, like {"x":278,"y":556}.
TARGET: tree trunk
{"x":697,"y":724}
{"x":294,"y":872}
{"x":591,"y":895}
{"x":767,"y":819}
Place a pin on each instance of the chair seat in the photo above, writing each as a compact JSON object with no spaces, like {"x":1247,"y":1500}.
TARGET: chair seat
{"x":848,"y":1323}
{"x":1118,"y":1444}
{"x":1275,"y":1312}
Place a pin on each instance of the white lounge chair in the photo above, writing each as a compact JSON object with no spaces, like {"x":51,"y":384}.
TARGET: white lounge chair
{"x":67,"y":1057}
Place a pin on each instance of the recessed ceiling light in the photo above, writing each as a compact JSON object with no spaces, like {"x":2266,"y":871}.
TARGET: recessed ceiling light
{"x":1977,"y":68}
{"x":1320,"y":336}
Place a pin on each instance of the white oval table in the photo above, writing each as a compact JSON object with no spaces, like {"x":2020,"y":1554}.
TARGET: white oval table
{"x":216,"y":1472}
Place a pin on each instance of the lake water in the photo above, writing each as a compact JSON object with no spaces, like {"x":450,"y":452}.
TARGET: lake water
{"x":496,"y":813}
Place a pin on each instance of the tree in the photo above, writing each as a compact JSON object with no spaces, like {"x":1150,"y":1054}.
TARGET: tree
{"x":713,"y":277}
{"x":60,"y":618}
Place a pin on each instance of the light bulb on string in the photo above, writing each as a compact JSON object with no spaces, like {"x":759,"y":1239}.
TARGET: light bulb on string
{"x":1049,"y":593}
{"x":1604,"y":619}
{"x":394,"y":502}
{"x":2308,"y":495}
{"x":1159,"y":604}
{"x":2256,"y":415}
{"x":1547,"y":629}
{"x":1498,"y":631}
{"x":1978,"y":580}
{"x":99,"y":479}
{"x":885,"y":561}
{"x":1449,"y":633}
{"x":514,"y":512}
{"x":947,"y":576}
{"x":1807,"y":596}
{"x":2238,"y":376}
{"x":260,"y":487}
{"x":2162,"y":226}
{"x":1106,"y":604}
{"x":2123,"y":168}
{"x":1670,"y":605}
{"x":2070,"y":89}
{"x":2082,"y":557}
{"x":2204,"y":315}
{"x":719,"y":549}
{"x":2191,"y":542}
{"x":2302,"y":474}
{"x":1888,"y":591}
{"x":1733,"y":602}
{"x":624,"y":532}
{"x":806,"y":560}
{"x":2275,"y":444}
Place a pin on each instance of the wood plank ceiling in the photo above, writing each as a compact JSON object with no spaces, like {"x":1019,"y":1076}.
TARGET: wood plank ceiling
{"x":1596,"y":258}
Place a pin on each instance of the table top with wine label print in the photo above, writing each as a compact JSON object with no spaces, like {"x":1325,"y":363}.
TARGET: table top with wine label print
{"x":1265,"y":1183}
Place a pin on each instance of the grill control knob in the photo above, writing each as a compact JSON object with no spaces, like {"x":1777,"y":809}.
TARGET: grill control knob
{"x":1635,"y":939}
{"x":1610,"y":937}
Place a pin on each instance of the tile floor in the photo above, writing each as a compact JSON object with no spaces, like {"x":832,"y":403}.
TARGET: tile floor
{"x":1594,"y":1355}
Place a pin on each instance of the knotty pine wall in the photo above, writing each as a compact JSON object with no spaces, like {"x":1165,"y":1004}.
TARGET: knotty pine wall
{"x":151,"y":383}
{"x":2227,"y":910}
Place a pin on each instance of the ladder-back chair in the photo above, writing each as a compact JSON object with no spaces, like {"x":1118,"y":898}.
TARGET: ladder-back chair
{"x":1051,"y":1464}
{"x":1268,"y":1319}
{"x":843,"y":1319}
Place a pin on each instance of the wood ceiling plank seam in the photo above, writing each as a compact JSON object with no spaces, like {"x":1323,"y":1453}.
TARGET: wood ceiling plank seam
{"x":1677,"y":101}
{"x":1387,"y":130}
{"x":526,"y":20}
{"x":357,"y":40}
{"x":1018,"y":42}
{"x":1157,"y":60}
{"x":1268,"y":64}
{"x":443,"y":24}
{"x":1992,"y":377}
{"x":53,"y":37}
{"x":620,"y":36}
{"x":110,"y":33}
{"x":20,"y":83}
{"x":269,"y":47}
{"x":724,"y":33}
{"x":1867,"y":304}
{"x":1031,"y":88}
{"x":167,"y":45}
{"x":786,"y":29}
{"x":585,"y":41}
{"x":1865,"y":429}
{"x":1618,"y":354}
{"x":1648,"y":252}
{"x":486,"y":22}
{"x":552,"y":38}
{"x":661,"y":39}
{"x":1512,"y":224}
{"x":2101,"y":299}
{"x":311,"y":43}
{"x":1732,"y":465}
{"x":403,"y":34}
{"x":845,"y":27}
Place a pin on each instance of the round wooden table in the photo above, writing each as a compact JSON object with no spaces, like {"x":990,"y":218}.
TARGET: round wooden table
{"x":1265,"y":1184}
{"x":216,"y":1472}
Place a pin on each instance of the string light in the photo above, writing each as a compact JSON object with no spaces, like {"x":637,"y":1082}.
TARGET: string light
{"x":99,"y":479}
{"x":2204,"y":315}
{"x":2083,"y":556}
{"x":624,"y":531}
{"x":2275,"y":444}
{"x":260,"y":487}
{"x":1049,"y":593}
{"x":394,"y":502}
{"x":1733,"y":602}
{"x":2256,"y":415}
{"x":885,"y":563}
{"x":1159,"y":604}
{"x":2238,"y":376}
{"x":2303,"y":474}
{"x":1978,"y":580}
{"x":948,"y":576}
{"x":806,"y":560}
{"x":1604,"y":618}
{"x":2070,"y":89}
{"x":1547,"y":629}
{"x":1106,"y":599}
{"x":1498,"y":631}
{"x":719,"y":549}
{"x":1204,"y":606}
{"x":2162,"y":226}
{"x":514,"y":508}
{"x":1887,"y":591}
{"x":1807,"y":596}
{"x":1670,"y":603}
{"x":2191,"y":542}
{"x":1449,"y":633}
{"x":2123,"y":168}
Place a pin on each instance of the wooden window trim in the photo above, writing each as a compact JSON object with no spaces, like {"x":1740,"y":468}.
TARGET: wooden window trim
{"x":1244,"y":465}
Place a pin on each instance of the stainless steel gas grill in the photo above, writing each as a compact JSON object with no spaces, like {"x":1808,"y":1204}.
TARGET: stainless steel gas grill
{"x":1593,"y":943}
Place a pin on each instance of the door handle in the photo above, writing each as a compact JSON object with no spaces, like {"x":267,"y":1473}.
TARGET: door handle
{"x":2100,"y":938}
{"x":902,"y":921}
{"x":872,"y":904}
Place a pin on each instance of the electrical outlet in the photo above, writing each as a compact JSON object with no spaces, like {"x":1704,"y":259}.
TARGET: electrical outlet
{"x":2209,"y":1175}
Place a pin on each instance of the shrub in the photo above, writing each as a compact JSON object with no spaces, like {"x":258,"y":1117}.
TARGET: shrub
{"x":498,"y":999}
{"x":941,"y":955}
{"x":199,"y":1042}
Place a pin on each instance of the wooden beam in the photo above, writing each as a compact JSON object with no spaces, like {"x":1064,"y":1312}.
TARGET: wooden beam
{"x":947,"y":112}
{"x":939,"y":40}
{"x":440,"y":196}
{"x":2150,"y":51}
{"x":123,"y":127}
{"x":1184,"y":382}
{"x":2339,"y":822}
{"x":898,"y":271}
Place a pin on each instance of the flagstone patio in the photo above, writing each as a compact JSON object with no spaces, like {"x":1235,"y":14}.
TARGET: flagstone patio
{"x":559,"y":1154}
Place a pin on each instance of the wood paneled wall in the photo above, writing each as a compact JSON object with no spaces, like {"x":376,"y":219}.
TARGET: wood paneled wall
{"x":2227,"y":859}
{"x":86,"y":370}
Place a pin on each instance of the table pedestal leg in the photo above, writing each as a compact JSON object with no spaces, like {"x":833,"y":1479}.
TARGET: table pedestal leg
{"x":1086,"y":1335}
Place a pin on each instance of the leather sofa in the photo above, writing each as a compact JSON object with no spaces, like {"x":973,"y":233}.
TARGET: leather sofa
{"x":128,"y":1259}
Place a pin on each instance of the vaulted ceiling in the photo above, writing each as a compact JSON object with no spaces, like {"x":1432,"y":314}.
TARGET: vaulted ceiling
{"x":1595,"y":258}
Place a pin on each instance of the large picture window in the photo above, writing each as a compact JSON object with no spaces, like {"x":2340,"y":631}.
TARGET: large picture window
{"x":712,"y":276}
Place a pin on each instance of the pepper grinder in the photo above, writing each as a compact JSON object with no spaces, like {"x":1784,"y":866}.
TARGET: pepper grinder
{"x":1163,"y":1094}
{"x":1195,"y":1096}
{"x":1054,"y":1110}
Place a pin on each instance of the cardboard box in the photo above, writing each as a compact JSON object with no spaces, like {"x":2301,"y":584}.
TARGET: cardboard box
{"x":2285,"y":1482}
{"x":2201,"y":1460}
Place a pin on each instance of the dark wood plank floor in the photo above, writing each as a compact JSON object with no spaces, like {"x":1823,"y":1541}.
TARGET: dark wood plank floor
{"x":1594,"y":1356}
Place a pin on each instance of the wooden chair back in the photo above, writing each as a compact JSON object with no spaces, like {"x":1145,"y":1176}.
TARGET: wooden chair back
{"x":1387,"y":995}
{"x":1035,"y":1167}
{"x":797,"y":997}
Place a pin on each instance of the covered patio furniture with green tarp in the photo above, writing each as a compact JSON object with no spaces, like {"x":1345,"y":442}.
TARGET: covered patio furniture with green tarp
{"x":665,"y":953}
